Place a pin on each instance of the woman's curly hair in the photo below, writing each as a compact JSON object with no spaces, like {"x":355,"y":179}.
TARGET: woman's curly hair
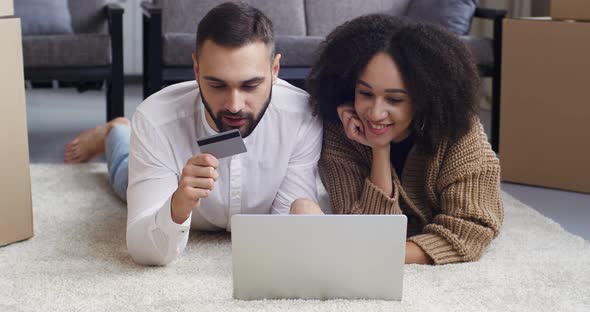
{"x":437,"y":68}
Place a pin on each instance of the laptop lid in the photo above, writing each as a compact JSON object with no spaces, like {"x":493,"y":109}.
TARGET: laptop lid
{"x":318,"y":257}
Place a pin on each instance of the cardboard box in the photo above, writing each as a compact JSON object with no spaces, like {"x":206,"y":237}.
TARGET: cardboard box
{"x":16,"y":217}
{"x":6,"y":8}
{"x":570,"y":9}
{"x":545,"y":104}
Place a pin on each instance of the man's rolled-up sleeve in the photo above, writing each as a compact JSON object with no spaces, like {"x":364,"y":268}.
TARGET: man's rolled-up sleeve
{"x":153,"y":238}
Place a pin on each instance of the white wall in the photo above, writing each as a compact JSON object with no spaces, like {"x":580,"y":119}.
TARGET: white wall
{"x":132,"y":37}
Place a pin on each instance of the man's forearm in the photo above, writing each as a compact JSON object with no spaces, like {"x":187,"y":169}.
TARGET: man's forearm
{"x":177,"y":217}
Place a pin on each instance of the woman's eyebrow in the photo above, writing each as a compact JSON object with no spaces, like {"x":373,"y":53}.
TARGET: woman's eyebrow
{"x":393,"y":90}
{"x":364,"y":83}
{"x":396,"y":91}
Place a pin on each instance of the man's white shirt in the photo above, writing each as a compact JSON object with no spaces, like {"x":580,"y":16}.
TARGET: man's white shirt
{"x":279,"y":167}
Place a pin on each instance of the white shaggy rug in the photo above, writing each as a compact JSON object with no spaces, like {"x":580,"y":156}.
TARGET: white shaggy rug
{"x":77,"y":261}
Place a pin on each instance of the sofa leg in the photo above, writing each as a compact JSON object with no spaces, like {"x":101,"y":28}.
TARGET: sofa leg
{"x":146,"y":58}
{"x":152,"y":54}
{"x":115,"y":99}
{"x":497,"y":83}
{"x":495,"y":114}
{"x":115,"y":88}
{"x":145,"y":84}
{"x":109,"y":99}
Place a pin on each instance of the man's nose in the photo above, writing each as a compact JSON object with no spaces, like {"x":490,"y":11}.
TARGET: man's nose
{"x":235,"y":102}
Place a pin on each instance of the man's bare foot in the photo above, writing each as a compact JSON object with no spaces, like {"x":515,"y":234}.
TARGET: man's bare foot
{"x":90,"y":143}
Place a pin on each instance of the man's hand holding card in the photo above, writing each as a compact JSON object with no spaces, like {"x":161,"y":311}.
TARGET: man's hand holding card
{"x":200,"y":172}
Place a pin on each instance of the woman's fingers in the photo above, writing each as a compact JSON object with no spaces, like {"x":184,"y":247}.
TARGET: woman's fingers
{"x":345,"y":111}
{"x":353,"y":127}
{"x":357,"y":129}
{"x":358,"y":132}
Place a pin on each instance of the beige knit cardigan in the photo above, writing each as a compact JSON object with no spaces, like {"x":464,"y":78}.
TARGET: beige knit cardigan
{"x":452,"y":199}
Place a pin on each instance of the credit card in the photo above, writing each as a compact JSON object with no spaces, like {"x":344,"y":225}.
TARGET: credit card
{"x":223,"y":144}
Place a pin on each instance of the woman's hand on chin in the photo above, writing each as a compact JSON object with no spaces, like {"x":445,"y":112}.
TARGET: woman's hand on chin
{"x":353,"y":126}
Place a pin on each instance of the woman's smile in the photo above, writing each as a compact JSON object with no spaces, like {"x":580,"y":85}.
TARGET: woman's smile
{"x":378,"y":128}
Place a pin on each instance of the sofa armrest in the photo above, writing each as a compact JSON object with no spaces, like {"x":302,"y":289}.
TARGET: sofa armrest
{"x":497,"y":16}
{"x":113,"y":9}
{"x":150,"y":9}
{"x":152,"y":48}
{"x":114,"y":14}
{"x":491,"y":14}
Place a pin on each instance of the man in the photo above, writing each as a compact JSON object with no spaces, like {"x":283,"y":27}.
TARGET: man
{"x":172,"y":186}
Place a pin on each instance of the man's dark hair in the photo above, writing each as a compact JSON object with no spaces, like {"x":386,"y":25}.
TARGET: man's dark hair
{"x":436,"y":67}
{"x":232,"y":24}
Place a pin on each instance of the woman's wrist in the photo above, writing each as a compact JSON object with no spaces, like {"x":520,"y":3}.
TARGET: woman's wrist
{"x":415,"y":254}
{"x":381,"y":170}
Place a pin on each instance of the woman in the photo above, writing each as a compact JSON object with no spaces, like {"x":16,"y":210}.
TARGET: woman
{"x":401,"y":135}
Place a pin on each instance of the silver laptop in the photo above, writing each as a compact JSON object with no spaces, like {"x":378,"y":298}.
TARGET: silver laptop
{"x":318,"y":257}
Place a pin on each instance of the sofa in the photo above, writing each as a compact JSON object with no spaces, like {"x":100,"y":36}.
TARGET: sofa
{"x":75,"y":41}
{"x":169,"y":34}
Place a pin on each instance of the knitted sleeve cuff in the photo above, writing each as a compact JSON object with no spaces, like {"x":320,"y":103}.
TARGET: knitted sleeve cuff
{"x":374,"y":201}
{"x":438,"y":248}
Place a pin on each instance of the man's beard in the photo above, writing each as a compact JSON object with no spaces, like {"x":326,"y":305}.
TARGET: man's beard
{"x":251,"y":123}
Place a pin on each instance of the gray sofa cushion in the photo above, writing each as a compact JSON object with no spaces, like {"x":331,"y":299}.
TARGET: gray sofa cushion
{"x":287,"y":15}
{"x":177,"y":48}
{"x":44,"y":17}
{"x":324,"y":16}
{"x":88,"y":16}
{"x":66,"y":50}
{"x":301,"y":51}
{"x":298,"y":50}
{"x":295,"y":50}
{"x":455,"y":15}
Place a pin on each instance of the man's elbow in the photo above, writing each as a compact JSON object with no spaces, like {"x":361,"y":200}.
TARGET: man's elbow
{"x":148,"y":260}
{"x":146,"y":255}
